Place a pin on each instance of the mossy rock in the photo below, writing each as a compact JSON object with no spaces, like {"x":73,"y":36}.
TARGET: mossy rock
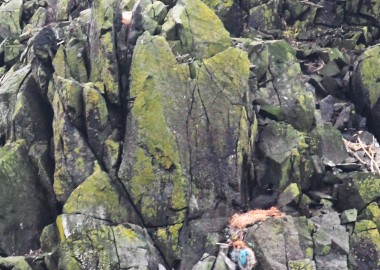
{"x":200,"y":31}
{"x":364,"y":246}
{"x":366,"y":81}
{"x":10,"y":18}
{"x":371,"y":212}
{"x":290,"y":194}
{"x":25,"y":208}
{"x":152,"y":170}
{"x":9,"y":88}
{"x":97,"y":121}
{"x":305,"y":264}
{"x":280,"y":146}
{"x":265,"y":17}
{"x":71,"y":224}
{"x":167,"y":240}
{"x":74,"y":159}
{"x":102,"y":54}
{"x":106,"y":247}
{"x":365,"y":87}
{"x":284,"y":96}
{"x":14,"y":263}
{"x":39,"y":18}
{"x":358,"y":190}
{"x":296,"y":98}
{"x":70,"y":94}
{"x":97,"y":197}
{"x":229,"y":13}
{"x":213,"y":130}
{"x":272,"y":238}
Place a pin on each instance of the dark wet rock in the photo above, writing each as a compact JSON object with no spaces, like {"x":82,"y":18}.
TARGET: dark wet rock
{"x":330,"y":14}
{"x":358,"y":190}
{"x":45,"y":45}
{"x":349,"y":167}
{"x":264,"y":201}
{"x":332,"y":86}
{"x":49,"y":237}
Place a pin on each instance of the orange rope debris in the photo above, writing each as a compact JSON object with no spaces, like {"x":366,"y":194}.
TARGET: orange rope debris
{"x":241,"y":221}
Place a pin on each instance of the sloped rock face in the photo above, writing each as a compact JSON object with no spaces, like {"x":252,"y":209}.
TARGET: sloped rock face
{"x":22,"y":195}
{"x":131,"y":131}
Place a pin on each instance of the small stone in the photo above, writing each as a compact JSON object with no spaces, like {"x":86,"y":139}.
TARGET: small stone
{"x":290,"y":194}
{"x":349,"y":216}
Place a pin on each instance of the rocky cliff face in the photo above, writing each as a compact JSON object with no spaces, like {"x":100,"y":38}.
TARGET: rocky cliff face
{"x":132,"y":130}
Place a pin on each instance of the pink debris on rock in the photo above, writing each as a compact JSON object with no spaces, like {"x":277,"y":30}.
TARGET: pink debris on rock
{"x":126,"y":17}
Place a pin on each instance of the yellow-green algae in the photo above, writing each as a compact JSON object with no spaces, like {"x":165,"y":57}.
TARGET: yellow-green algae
{"x":201,"y":32}
{"x":372,"y":212}
{"x":369,"y":76}
{"x":89,"y":249}
{"x":96,"y":197}
{"x":66,"y":153}
{"x":95,"y":105}
{"x":14,"y":263}
{"x":169,"y":238}
{"x":102,"y":67}
{"x":365,"y":237}
{"x":157,"y":159}
{"x":223,"y":85}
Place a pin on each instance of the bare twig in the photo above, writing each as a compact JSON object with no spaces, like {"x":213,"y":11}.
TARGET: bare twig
{"x":311,"y":4}
{"x":369,"y":152}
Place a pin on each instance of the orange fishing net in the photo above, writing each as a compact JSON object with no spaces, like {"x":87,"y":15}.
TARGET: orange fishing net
{"x":241,"y":221}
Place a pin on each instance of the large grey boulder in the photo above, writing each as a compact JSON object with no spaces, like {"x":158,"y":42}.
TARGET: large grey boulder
{"x":107,"y":247}
{"x":282,"y":243}
{"x":25,"y":209}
